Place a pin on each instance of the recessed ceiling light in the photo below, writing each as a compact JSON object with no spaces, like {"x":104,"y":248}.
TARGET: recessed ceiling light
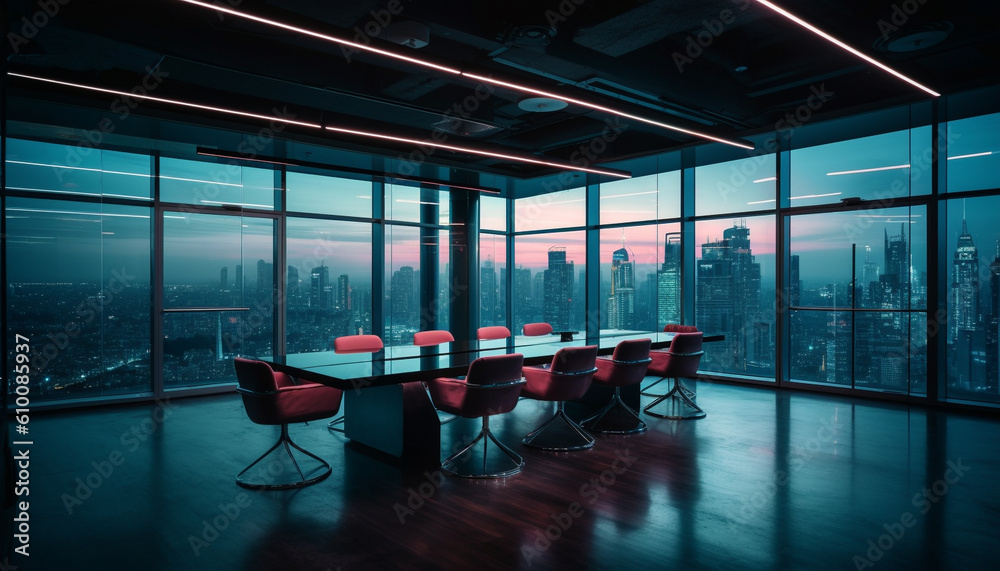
{"x":541,"y":104}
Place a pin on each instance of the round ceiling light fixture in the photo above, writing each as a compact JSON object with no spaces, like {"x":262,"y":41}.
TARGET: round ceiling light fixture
{"x":541,"y":104}
{"x":915,"y":38}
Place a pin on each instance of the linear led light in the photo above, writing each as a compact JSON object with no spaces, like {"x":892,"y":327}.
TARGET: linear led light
{"x":876,"y":169}
{"x":607,"y":110}
{"x":75,"y":168}
{"x":768,"y":179}
{"x":416,"y":61}
{"x":844,"y":46}
{"x":564,"y":166}
{"x":796,"y":197}
{"x":956,"y":157}
{"x":523,"y":159}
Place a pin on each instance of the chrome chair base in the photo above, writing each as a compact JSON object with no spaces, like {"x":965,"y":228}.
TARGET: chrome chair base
{"x":678,"y":405}
{"x":463,"y":463}
{"x":560,"y":433}
{"x":285,"y":441}
{"x":684,"y":389}
{"x":336,"y":424}
{"x":615,"y":408}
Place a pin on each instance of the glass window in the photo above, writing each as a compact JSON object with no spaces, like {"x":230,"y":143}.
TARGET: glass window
{"x":329,"y":282}
{"x":328,"y":195}
{"x":734,"y":294}
{"x":548,"y":280}
{"x":492,"y":279}
{"x":742,"y":185}
{"x":563,"y":209}
{"x":492,"y":213}
{"x":974,"y":153}
{"x":859,"y":325}
{"x":218,"y":290}
{"x":973,"y":325}
{"x":869,"y":168}
{"x":48,"y":167}
{"x":402,"y":287}
{"x":417,"y":204}
{"x":642,"y":198}
{"x":78,"y":283}
{"x":204,"y":183}
{"x":633,"y":270}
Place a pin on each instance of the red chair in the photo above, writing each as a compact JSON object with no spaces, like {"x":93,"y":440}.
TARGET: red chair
{"x":627,"y":366}
{"x":354,"y":344}
{"x":433,"y":337}
{"x":673,"y":328}
{"x":680,"y":360}
{"x":273,"y":398}
{"x":492,"y":386}
{"x":536,"y":329}
{"x":492,"y":332}
{"x":567,"y":378}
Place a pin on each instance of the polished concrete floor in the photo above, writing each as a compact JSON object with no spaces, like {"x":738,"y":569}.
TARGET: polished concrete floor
{"x":769,"y":480}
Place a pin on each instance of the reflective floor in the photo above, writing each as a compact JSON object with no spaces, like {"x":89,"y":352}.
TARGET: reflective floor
{"x":768,"y":480}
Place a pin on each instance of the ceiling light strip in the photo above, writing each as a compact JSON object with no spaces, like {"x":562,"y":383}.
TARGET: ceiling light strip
{"x":354,"y":45}
{"x":844,"y":46}
{"x":563,"y":166}
{"x":454,"y":71}
{"x":614,"y":173}
{"x":171,"y":101}
{"x":605,"y":110}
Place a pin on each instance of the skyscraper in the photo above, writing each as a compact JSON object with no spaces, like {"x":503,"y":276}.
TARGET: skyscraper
{"x":621,"y":302}
{"x":993,"y":329}
{"x":319,"y":287}
{"x":964,"y":308}
{"x":728,"y":292}
{"x":344,"y":293}
{"x":489,"y":301}
{"x":292,"y":290}
{"x":558,"y":284}
{"x":224,"y":278}
{"x":402,"y":300}
{"x":265,"y":280}
{"x":668,"y":282}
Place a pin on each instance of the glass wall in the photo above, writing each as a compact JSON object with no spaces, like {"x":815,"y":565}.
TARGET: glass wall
{"x":78,"y":288}
{"x":549,"y":282}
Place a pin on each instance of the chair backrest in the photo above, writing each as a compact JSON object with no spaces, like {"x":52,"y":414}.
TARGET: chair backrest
{"x":570,"y":360}
{"x":677,"y":328}
{"x":357,"y":344}
{"x":535,"y":329}
{"x":632,"y":350}
{"x":496,"y":369}
{"x":685,"y":354}
{"x":493,"y":332}
{"x":256,"y":376}
{"x":433,"y":337}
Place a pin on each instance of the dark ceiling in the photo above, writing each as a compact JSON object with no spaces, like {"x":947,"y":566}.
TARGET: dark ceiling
{"x":729,"y":68}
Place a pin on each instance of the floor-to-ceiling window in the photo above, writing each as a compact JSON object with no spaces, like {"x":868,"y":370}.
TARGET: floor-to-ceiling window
{"x":78,"y":268}
{"x":492,"y":261}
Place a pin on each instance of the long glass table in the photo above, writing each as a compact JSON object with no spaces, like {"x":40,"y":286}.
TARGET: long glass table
{"x":385,"y":404}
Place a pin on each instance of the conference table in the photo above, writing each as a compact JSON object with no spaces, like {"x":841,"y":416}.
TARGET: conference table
{"x":386,"y":406}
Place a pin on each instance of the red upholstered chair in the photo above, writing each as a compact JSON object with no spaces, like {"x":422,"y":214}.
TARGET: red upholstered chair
{"x":567,"y":378}
{"x":273,"y":398}
{"x":536,"y":329}
{"x":627,"y":366}
{"x":673,"y":328}
{"x":680,"y":360}
{"x":357,"y":344}
{"x":354,"y":344}
{"x":492,"y":386}
{"x":492,"y":332}
{"x":433,"y":337}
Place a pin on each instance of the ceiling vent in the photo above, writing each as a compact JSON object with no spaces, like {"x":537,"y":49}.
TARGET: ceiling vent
{"x":466,"y":127}
{"x":914,"y":38}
